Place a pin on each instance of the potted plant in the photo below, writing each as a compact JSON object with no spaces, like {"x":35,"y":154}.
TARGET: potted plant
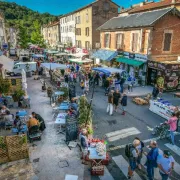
{"x":18,"y":94}
{"x":4,"y":86}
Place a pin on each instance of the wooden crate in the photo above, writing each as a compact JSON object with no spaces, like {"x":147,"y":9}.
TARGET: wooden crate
{"x":17,"y":147}
{"x":3,"y":150}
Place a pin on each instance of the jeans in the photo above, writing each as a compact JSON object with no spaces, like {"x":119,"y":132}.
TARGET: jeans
{"x":172,"y":136}
{"x":150,"y":172}
{"x":164,"y":176}
{"x":110,"y":108}
{"x":122,"y":88}
{"x":124,"y":108}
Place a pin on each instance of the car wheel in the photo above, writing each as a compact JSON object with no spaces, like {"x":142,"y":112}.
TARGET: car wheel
{"x":12,"y":74}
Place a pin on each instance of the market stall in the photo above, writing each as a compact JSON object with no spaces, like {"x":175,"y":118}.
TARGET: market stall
{"x":166,"y":74}
{"x":162,"y":108}
{"x":98,"y":156}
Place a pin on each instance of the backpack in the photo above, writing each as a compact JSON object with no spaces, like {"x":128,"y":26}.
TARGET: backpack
{"x":128,"y":150}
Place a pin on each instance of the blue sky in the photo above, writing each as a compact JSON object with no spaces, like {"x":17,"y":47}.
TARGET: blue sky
{"x":58,"y":7}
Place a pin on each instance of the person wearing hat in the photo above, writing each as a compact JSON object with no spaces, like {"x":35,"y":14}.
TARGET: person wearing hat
{"x":165,"y":164}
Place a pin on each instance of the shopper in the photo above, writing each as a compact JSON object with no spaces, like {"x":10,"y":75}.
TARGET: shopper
{"x":172,"y":126}
{"x":110,"y":103}
{"x":151,"y":162}
{"x":84,"y":144}
{"x":155,"y":92}
{"x":177,"y":112}
{"x":116,"y":98}
{"x":165,"y":164}
{"x":124,"y":103}
{"x":131,"y":152}
{"x":140,"y":152}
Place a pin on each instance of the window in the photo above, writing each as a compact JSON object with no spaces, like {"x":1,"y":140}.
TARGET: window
{"x":135,"y":37}
{"x":167,"y":41}
{"x":87,"y":17}
{"x":78,"y":31}
{"x":87,"y":31}
{"x":78,"y":44}
{"x":78,"y":20}
{"x":107,"y":40}
{"x":119,"y":41}
{"x":87,"y":45}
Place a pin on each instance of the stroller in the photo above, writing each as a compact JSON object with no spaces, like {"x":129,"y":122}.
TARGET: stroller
{"x":162,"y":131}
{"x":34,"y":133}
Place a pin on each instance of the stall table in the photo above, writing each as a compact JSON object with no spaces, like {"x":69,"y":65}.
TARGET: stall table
{"x":61,"y":120}
{"x":97,"y":167}
{"x":161,"y":109}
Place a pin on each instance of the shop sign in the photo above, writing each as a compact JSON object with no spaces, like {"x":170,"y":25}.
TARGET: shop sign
{"x":129,"y":55}
{"x":156,"y":65}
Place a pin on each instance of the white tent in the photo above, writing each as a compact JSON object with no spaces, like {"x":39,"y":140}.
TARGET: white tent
{"x":7,"y":63}
{"x":53,"y":66}
{"x":24,"y":81}
{"x":78,"y":55}
{"x":79,"y":60}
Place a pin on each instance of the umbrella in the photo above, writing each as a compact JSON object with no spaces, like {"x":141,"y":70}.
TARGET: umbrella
{"x":24,"y":81}
{"x":53,"y":66}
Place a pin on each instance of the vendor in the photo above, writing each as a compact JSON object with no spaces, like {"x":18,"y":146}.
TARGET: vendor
{"x":32,"y":122}
{"x":42,"y":126}
{"x":84,"y":144}
{"x":4,"y":109}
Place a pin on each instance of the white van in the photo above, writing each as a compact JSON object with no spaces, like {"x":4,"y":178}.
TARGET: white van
{"x":27,"y":66}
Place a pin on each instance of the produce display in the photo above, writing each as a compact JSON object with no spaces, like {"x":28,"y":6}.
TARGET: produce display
{"x":101,"y":149}
{"x":142,"y":101}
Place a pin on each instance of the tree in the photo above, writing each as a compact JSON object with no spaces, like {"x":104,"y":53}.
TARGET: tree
{"x":36,"y":37}
{"x":23,"y":37}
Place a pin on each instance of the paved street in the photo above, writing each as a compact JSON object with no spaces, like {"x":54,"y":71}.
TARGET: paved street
{"x":138,"y":121}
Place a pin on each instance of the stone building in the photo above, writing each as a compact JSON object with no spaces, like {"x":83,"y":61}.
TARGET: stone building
{"x":51,"y":34}
{"x":3,"y":39}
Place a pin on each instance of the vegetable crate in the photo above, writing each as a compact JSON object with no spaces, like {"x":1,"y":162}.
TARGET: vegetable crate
{"x":3,"y":150}
{"x":17,"y":147}
{"x":97,"y":170}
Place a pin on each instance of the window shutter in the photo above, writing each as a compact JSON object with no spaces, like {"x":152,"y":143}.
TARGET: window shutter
{"x":167,"y":41}
{"x":109,"y":41}
{"x":122,"y":42}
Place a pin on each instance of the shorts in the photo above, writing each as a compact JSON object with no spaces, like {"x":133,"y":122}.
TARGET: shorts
{"x":84,"y":152}
{"x":132,"y":164}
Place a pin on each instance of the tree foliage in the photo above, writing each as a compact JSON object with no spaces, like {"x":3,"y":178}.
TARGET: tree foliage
{"x":36,"y":36}
{"x":26,"y":20}
{"x":23,"y":37}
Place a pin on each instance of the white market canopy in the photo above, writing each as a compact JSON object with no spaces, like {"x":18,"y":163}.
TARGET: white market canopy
{"x":79,"y":60}
{"x":52,"y":52}
{"x":53,"y":66}
{"x":78,"y":54}
{"x":7,"y":63}
{"x":38,"y":56}
{"x":61,"y":54}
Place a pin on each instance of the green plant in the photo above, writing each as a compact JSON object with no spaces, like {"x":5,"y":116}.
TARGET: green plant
{"x":2,"y":142}
{"x":18,"y":94}
{"x":4,"y":85}
{"x":23,"y":139}
{"x":62,"y":71}
{"x":90,"y":131}
{"x":65,"y":90}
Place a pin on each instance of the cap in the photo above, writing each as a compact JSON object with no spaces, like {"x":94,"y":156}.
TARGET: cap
{"x":167,"y":153}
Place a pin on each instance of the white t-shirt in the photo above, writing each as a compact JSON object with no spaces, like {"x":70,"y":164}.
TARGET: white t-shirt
{"x":166,"y":163}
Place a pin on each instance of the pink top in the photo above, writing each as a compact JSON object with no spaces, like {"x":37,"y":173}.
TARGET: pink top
{"x":172,"y":123}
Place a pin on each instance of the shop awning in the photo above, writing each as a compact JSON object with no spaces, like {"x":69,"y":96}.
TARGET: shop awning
{"x":108,"y":70}
{"x":80,"y":61}
{"x":38,"y":56}
{"x":105,"y":55}
{"x":131,"y":62}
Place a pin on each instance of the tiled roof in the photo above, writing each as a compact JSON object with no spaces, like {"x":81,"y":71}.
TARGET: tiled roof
{"x":142,"y":19}
{"x":154,"y":5}
{"x":51,"y":24}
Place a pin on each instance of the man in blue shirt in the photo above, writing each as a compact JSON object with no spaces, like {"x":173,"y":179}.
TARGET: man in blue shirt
{"x":165,"y":164}
{"x":152,"y":159}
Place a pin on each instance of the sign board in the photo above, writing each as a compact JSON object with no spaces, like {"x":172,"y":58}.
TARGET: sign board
{"x":160,"y":109}
{"x":5,"y":46}
{"x":71,"y":131}
{"x":140,"y":57}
